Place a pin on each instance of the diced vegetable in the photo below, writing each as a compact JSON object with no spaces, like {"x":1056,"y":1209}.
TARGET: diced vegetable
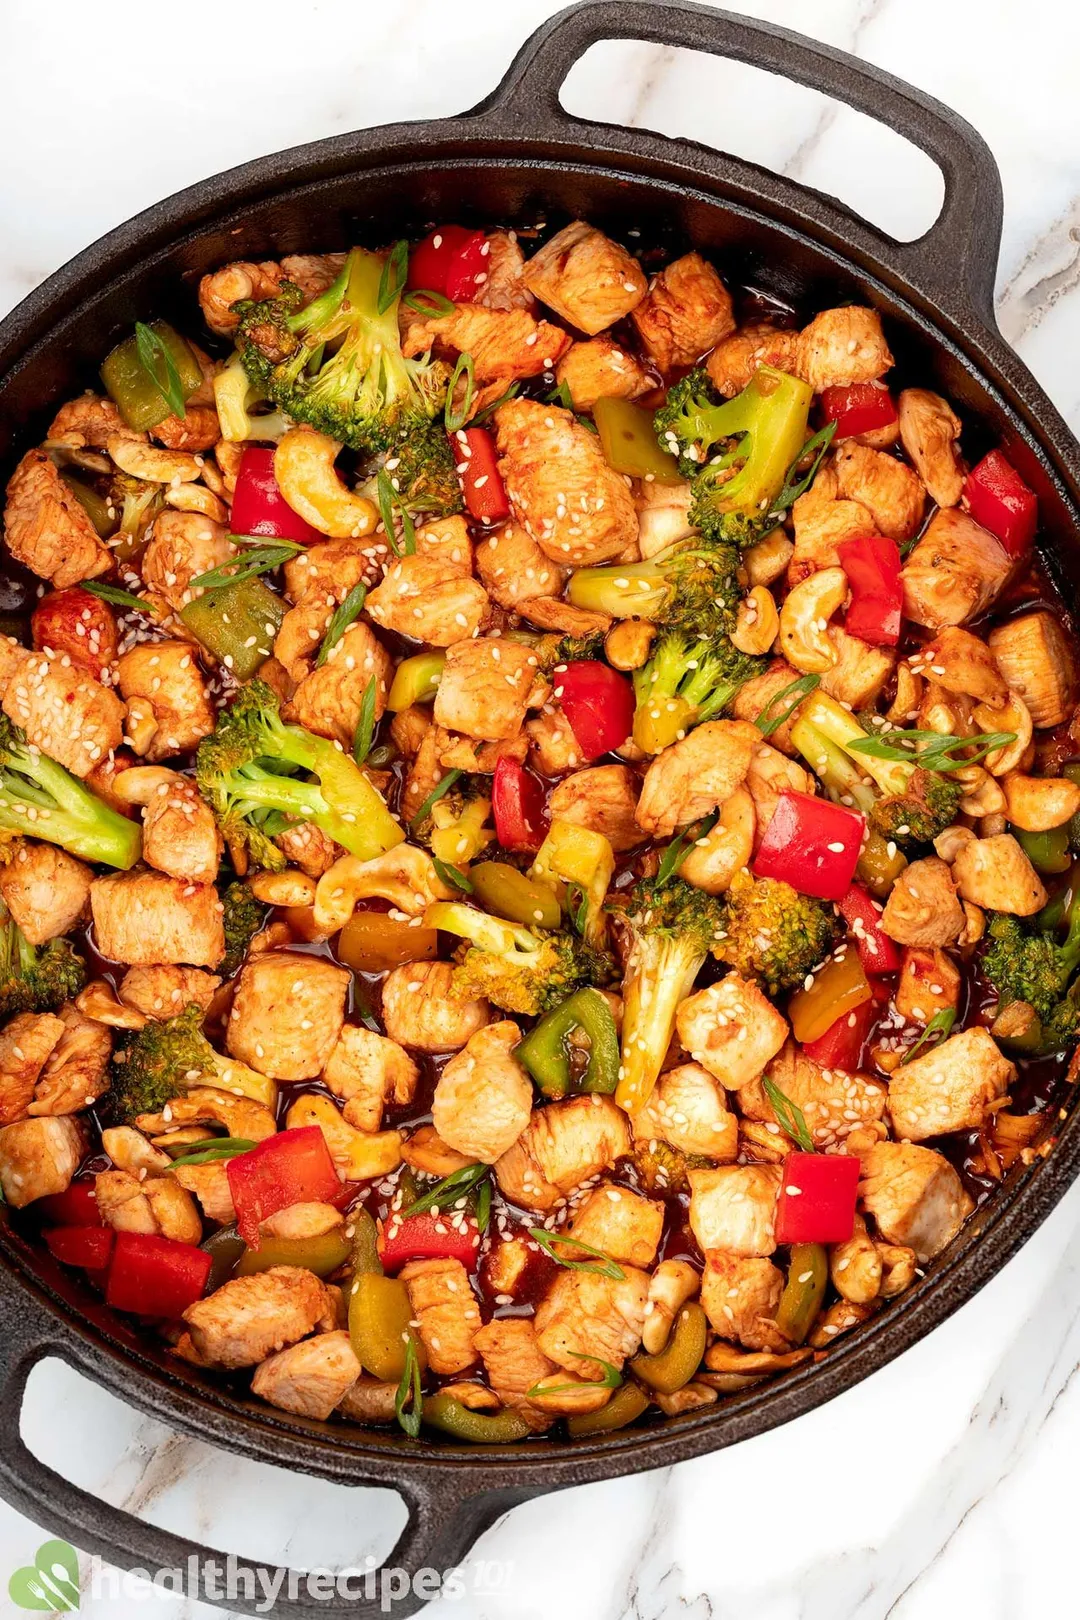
{"x":872,"y":566}
{"x":467,"y":269}
{"x":87,"y":1246}
{"x":506,"y":892}
{"x":998,"y":498}
{"x":435,"y":259}
{"x":293,"y":1167}
{"x":134,"y":390}
{"x":416,"y":680}
{"x":481,"y":482}
{"x":673,"y":1366}
{"x":625,"y":1406}
{"x":237,"y":623}
{"x":429,"y":1236}
{"x":807,"y":1279}
{"x":373,"y":941}
{"x":546,"y":1049}
{"x":76,"y":1206}
{"x":584,"y":859}
{"x":877,"y":952}
{"x":259,"y":507}
{"x":322,"y":1254}
{"x":154,"y":1276}
{"x":858,"y":408}
{"x":841,"y":1044}
{"x":811,"y":844}
{"x":479,"y":1428}
{"x":817,"y":1198}
{"x":380,"y":1318}
{"x":628,"y":440}
{"x":225,"y":1246}
{"x":599,"y":704}
{"x":839,"y":987}
{"x":1048,"y":851}
{"x":517,"y":803}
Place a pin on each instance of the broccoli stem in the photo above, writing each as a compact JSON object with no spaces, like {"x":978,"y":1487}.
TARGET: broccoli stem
{"x":635,"y":591}
{"x":40,"y":799}
{"x":660,"y":972}
{"x":833,"y":723}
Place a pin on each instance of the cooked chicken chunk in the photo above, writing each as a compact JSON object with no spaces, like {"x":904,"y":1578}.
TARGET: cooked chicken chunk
{"x":430,"y":598}
{"x":39,"y":1157}
{"x":182,"y":546}
{"x":740,"y":1297}
{"x":586,"y":1315}
{"x":146,"y":918}
{"x":957,"y":571}
{"x":952,"y":1087}
{"x":563,"y":492}
{"x":995,"y":873}
{"x":514,"y":1364}
{"x":335,"y":566}
{"x":1037,"y":660}
{"x":513,"y":569}
{"x":963,"y":664}
{"x":833,"y":1102}
{"x":25,"y":1044}
{"x":155,"y":1205}
{"x":601,"y":368}
{"x":922,"y":908}
{"x":309,"y":1379}
{"x":287,"y":1013}
{"x":161,"y":680}
{"x":503,"y":285}
{"x":732,"y":1029}
{"x":554,"y":747}
{"x":484,"y":689}
{"x":209,"y":1183}
{"x":604,"y":799}
{"x":76,"y":1073}
{"x":620,"y":1223}
{"x":445,"y":1306}
{"x":207,"y":1105}
{"x":890,"y":491}
{"x":163,"y":992}
{"x":929,"y":431}
{"x":369,"y":1400}
{"x":562,"y":1146}
{"x":586,"y":278}
{"x":180,"y":835}
{"x":823,"y":521}
{"x":64,"y":711}
{"x":686,"y":312}
{"x":733,"y":1208}
{"x":737,"y":357}
{"x":504,"y":343}
{"x":222,"y":289}
{"x":329,"y":700}
{"x":552,"y":613}
{"x":915,"y":1196}
{"x":860,"y":672}
{"x":841,"y":346}
{"x":420,"y":1009}
{"x":689,"y":1109}
{"x":45,"y":527}
{"x":929,"y":983}
{"x":484,"y":1097}
{"x":367,"y":1071}
{"x":249,"y":1318}
{"x":695,"y":775}
{"x":45,"y":889}
{"x":88,"y":423}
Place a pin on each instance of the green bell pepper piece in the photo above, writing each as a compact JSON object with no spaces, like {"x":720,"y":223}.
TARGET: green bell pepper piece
{"x":237,"y":623}
{"x":1048,"y":852}
{"x":225,"y":1246}
{"x":545,"y":1051}
{"x":479,"y":1428}
{"x":322,"y":1254}
{"x":625,"y":1406}
{"x":97,"y":508}
{"x":506,"y":892}
{"x":132,"y":389}
{"x":673,"y":1366}
{"x":808,"y":1275}
{"x":628,"y":440}
{"x":416,"y":680}
{"x":365,"y":1244}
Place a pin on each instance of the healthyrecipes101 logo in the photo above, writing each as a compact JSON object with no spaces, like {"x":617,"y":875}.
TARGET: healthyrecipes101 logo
{"x":50,"y":1583}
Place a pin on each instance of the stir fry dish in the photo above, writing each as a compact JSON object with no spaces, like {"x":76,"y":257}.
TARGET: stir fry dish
{"x":538,"y":804}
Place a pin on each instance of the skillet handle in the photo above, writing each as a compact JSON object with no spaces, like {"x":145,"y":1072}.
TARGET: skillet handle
{"x":954,"y":263}
{"x":444,"y":1518}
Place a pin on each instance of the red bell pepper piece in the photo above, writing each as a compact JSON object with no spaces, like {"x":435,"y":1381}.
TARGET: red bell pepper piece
{"x":598,"y":702}
{"x":517,"y":804}
{"x":872,"y":566}
{"x":77,"y":1206}
{"x":433,"y":261}
{"x":481,"y":482}
{"x":858,"y":408}
{"x":817,"y":1198}
{"x":293,"y":1167}
{"x":998,"y":498}
{"x":259,"y":507}
{"x":811,"y":844}
{"x":468,"y":270}
{"x":877,"y":952}
{"x":429,"y":1237}
{"x":86,"y":1246}
{"x":153,"y":1276}
{"x":841,"y":1045}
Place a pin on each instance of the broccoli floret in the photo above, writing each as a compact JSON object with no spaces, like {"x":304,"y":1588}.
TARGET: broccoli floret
{"x":928,"y":805}
{"x":242,"y":919}
{"x":683,"y":422}
{"x":139,"y":504}
{"x":243,"y":772}
{"x":553,"y":650}
{"x":337,"y":363}
{"x":40,"y":799}
{"x":1026,"y":965}
{"x":672,"y":927}
{"x":423,"y":475}
{"x":35,"y":978}
{"x":663,"y":1169}
{"x":521,"y":970}
{"x":686,"y":681}
{"x":773,"y":933}
{"x":159,"y":1062}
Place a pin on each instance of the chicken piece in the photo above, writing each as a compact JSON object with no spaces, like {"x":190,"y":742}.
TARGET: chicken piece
{"x":586,"y":278}
{"x":443,"y":1302}
{"x":955,"y":573}
{"x":955,"y":1086}
{"x":833,"y":1102}
{"x":732,"y":1029}
{"x":64,"y":711}
{"x":329,"y":700}
{"x":39,"y":1157}
{"x":485,"y":687}
{"x":13,"y":658}
{"x":506,"y":1263}
{"x":287,"y":1013}
{"x":484,"y":1097}
{"x":915,"y":1197}
{"x":222,"y":289}
{"x":207,"y":1105}
{"x":129,"y":1150}
{"x":503,"y":285}
{"x":514,"y":1364}
{"x":431,"y":599}
{"x":929,"y":432}
{"x":367,"y":1071}
{"x":563,"y":492}
{"x":408,"y":729}
{"x":209,"y":1184}
{"x":734,"y":1206}
{"x":604,"y":799}
{"x":313,"y":273}
{"x":737,"y":356}
{"x":922,"y":908}
{"x":77,"y":1072}
{"x":196,"y":431}
{"x":79,"y":624}
{"x":183,"y":545}
{"x":1036,"y":657}
{"x":752,"y":700}
{"x":88,"y":423}
{"x":180,"y":835}
{"x":929,"y":984}
{"x":45,"y":889}
{"x":860,"y":672}
{"x":504,"y":343}
{"x":686,"y":312}
{"x":309,"y":848}
{"x":369,"y":1400}
{"x":555,"y":748}
{"x":309,"y":1379}
{"x":741,"y":1297}
{"x":996,"y":874}
{"x":146,"y":918}
{"x":45,"y":527}
{"x":301,"y":634}
{"x":426,"y":1151}
{"x":823,"y":521}
{"x":842,"y":346}
{"x":25,"y":1044}
{"x":962,"y":665}
{"x":689,"y":1110}
{"x":562,"y":1146}
{"x":163,"y":678}
{"x":770,"y":776}
{"x":307,"y":1220}
{"x":513,"y":569}
{"x":420,"y":1009}
{"x":601,"y":368}
{"x":157,"y":1206}
{"x":463,"y":754}
{"x":163,"y":992}
{"x":620,"y":1223}
{"x":335,"y":566}
{"x":890,"y":491}
{"x":586,"y":1315}
{"x":1039,"y":803}
{"x":695,"y":775}
{"x":552,"y":613}
{"x":249,"y":1318}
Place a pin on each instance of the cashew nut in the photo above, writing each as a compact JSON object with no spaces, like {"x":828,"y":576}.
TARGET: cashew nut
{"x":949,"y":843}
{"x":664,"y":517}
{"x":1012,"y":716}
{"x":982,"y":795}
{"x":156,"y":466}
{"x":714,"y":860}
{"x":756,"y":622}
{"x":404,"y":875}
{"x":670,"y":1286}
{"x":304,"y":468}
{"x":240,"y":1115}
{"x":909,"y":693}
{"x":627,"y":643}
{"x":765,"y":562}
{"x":804,"y":620}
{"x":140,"y":724}
{"x":1038,"y":803}
{"x":974,"y":925}
{"x":291,"y":888}
{"x":129,"y":1150}
{"x":99,"y":1002}
{"x":197,"y":498}
{"x":140,"y":783}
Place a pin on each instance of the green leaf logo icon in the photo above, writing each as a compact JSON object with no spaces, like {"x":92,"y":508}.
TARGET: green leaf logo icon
{"x":50,"y":1583}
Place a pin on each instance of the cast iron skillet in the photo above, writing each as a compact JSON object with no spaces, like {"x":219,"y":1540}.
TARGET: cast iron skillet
{"x":514,"y":156}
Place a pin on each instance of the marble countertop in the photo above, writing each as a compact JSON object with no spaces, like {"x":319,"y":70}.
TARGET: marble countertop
{"x":941,"y":1484}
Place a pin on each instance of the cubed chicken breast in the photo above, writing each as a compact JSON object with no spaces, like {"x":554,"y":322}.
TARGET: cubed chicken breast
{"x":308,"y":1379}
{"x":620,"y":1223}
{"x":64,"y":711}
{"x":180,"y":835}
{"x":209,"y":1185}
{"x":513,"y":569}
{"x":562,"y":1146}
{"x":46,"y":528}
{"x":923,"y":908}
{"x":329,"y":700}
{"x":431,"y":599}
{"x":514,"y":1364}
{"x":39,"y":1157}
{"x":503,"y":343}
{"x":601,"y":368}
{"x":688,"y":1108}
{"x":955,"y":573}
{"x":955,"y":1086}
{"x":833,"y":1102}
{"x":421,"y":1011}
{"x":586,"y":278}
{"x":443,"y":1303}
{"x":182,"y":546}
{"x":25,"y":1045}
{"x":484,"y":1097}
{"x":168,"y":707}
{"x":859,"y":672}
{"x":76,"y":1073}
{"x":929,"y":432}
{"x":738,"y":356}
{"x":733,"y":1208}
{"x":915,"y":1196}
{"x":45,"y":889}
{"x":892,"y":494}
{"x":732,"y":1029}
{"x":146,"y":918}
{"x":367,"y":1071}
{"x":604,"y":799}
{"x":842,"y":346}
{"x":695,"y":775}
{"x":287,"y":1014}
{"x":163,"y":992}
{"x":740,"y":1297}
{"x":249,"y":1318}
{"x":485,"y":687}
{"x":157,"y":1206}
{"x":586,"y":1315}
{"x":996,"y":874}
{"x":686,"y":312}
{"x":822,"y":522}
{"x":929,"y":984}
{"x":1038,"y":661}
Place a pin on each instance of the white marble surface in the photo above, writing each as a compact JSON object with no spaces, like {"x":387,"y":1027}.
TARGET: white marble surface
{"x":944,"y":1484}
